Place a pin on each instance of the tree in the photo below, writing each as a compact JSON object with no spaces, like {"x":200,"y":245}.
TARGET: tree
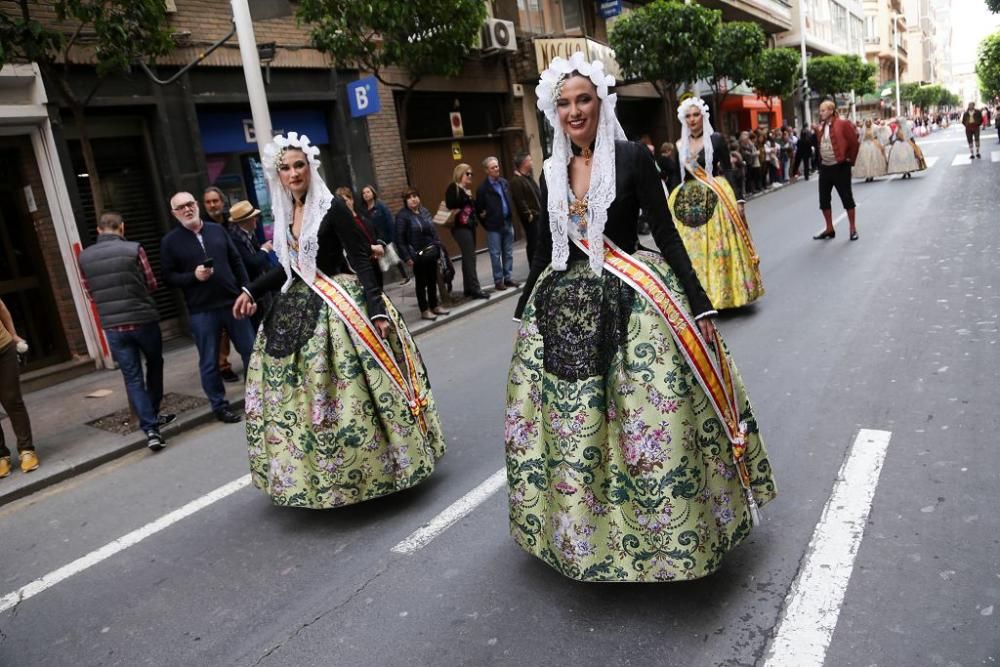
{"x":426,"y":38}
{"x":734,"y":57}
{"x":993,"y":6}
{"x":988,"y":65}
{"x":668,"y":44}
{"x":829,"y":75}
{"x":907,"y":92}
{"x":776,"y":75}
{"x":117,"y":33}
{"x":861,"y":75}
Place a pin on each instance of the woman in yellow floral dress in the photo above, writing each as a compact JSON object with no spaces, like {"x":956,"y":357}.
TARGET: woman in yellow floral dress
{"x":710,"y":218}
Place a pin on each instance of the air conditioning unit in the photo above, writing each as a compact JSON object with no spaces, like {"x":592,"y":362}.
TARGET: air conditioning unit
{"x":498,"y":35}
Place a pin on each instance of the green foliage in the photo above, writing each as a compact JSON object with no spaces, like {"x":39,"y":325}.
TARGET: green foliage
{"x":777,"y":73}
{"x":927,"y":97}
{"x":667,"y":43}
{"x":907,"y":91}
{"x":993,"y":6}
{"x":862,"y":75}
{"x":829,"y":75}
{"x":430,"y":37}
{"x":120,"y":31}
{"x":736,"y":52}
{"x":988,"y":65}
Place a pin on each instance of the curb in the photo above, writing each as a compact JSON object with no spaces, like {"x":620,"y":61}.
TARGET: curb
{"x":136,"y":441}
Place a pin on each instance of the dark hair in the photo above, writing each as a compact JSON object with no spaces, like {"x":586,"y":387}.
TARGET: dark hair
{"x":372,"y":188}
{"x":222,"y":195}
{"x":410,"y":190}
{"x":520,"y":158}
{"x":110,"y":220}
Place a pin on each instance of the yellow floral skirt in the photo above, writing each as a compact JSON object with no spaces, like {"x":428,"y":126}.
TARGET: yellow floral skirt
{"x":723,"y":260}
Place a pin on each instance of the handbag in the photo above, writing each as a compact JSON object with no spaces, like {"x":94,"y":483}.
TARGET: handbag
{"x":429,"y":252}
{"x":445,"y":217}
{"x":389,"y":259}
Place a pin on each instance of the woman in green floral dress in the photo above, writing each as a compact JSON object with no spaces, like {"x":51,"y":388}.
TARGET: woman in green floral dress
{"x":619,"y":467}
{"x":338,"y":408}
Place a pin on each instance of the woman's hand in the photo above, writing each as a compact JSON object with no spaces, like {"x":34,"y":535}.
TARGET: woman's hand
{"x":409,"y":263}
{"x":244,"y":306}
{"x":743,"y":211}
{"x":707,"y":327}
{"x":382,"y":325}
{"x":378,"y":251}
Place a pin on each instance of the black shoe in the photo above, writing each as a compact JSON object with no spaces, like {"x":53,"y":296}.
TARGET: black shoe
{"x":978,"y":156}
{"x":511,"y":283}
{"x":823,"y":235}
{"x":854,"y":236}
{"x":165,"y":419}
{"x":229,"y":376}
{"x":478,"y":295}
{"x":227,"y":416}
{"x":155,"y":441}
{"x":500,"y":286}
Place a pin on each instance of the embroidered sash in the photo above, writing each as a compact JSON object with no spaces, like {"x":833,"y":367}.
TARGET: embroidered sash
{"x":364,"y":332}
{"x":732,"y":211}
{"x":712,"y":367}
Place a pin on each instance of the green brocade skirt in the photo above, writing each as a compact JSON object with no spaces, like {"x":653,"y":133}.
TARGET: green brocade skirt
{"x":325,"y":427}
{"x":618,"y":468}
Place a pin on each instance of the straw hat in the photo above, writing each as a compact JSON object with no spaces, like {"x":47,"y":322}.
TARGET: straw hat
{"x":241,"y":211}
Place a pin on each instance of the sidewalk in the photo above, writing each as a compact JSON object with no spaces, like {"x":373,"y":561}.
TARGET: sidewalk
{"x":61,"y":415}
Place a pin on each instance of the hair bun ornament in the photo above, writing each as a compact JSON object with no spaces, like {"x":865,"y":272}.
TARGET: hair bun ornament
{"x":282,"y":142}
{"x":550,"y":81}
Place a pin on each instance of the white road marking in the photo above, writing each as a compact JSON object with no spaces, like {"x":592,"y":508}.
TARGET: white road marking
{"x":419,"y":538}
{"x":961,"y":160}
{"x":931,"y":161}
{"x":839,"y":219}
{"x":995,"y":156}
{"x":108,"y":550}
{"x":813,"y":602}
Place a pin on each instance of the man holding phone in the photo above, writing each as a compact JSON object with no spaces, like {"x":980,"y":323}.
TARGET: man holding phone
{"x":199,"y":258}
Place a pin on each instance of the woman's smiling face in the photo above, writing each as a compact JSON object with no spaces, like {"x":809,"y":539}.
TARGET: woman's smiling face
{"x":579,"y":109}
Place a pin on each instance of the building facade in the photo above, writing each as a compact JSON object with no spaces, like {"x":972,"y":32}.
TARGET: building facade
{"x":831,"y":27}
{"x":885,"y":38}
{"x":920,"y":42}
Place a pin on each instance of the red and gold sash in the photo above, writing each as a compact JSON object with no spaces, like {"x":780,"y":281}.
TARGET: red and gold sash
{"x":731,"y":209}
{"x":710,"y":364}
{"x":406,"y":383}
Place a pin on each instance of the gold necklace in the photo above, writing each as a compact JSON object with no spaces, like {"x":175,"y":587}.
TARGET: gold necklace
{"x":578,"y":207}
{"x":586,"y":155}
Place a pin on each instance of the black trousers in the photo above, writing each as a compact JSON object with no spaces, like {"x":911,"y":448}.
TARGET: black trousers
{"x":13,"y":402}
{"x":805,"y":161}
{"x":835,"y":176}
{"x":972,"y":135}
{"x":425,"y":275}
{"x":465,"y":237}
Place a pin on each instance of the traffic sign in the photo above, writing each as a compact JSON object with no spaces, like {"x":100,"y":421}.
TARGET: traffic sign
{"x":609,"y":8}
{"x":362,"y":97}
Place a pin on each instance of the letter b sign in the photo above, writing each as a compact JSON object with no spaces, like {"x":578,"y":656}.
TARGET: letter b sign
{"x":362,"y":97}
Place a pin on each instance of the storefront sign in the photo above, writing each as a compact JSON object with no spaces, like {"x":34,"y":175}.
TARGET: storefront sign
{"x":362,"y":97}
{"x":547,"y":49}
{"x":609,"y":8}
{"x":232,"y":131}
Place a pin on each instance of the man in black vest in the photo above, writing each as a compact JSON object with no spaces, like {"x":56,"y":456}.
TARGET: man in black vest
{"x":119,"y":279}
{"x":527,"y":199}
{"x":972,"y":119}
{"x":200,"y":259}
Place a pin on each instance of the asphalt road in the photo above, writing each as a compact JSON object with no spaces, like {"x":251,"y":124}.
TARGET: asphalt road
{"x":896,"y":332}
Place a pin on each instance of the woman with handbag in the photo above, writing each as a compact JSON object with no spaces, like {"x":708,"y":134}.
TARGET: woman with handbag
{"x":458,"y":198}
{"x":378,"y":213}
{"x":419,"y":246}
{"x":368,"y":229}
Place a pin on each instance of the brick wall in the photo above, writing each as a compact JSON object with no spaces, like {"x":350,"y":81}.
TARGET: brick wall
{"x":49,"y":244}
{"x":386,"y":149}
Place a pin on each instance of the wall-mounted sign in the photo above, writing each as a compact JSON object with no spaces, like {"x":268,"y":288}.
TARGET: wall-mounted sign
{"x":456,"y":124}
{"x":609,"y":8}
{"x":362,"y":97}
{"x":456,"y":151}
{"x":547,"y":49}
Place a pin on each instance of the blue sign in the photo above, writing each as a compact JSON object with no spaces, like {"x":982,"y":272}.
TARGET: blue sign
{"x":233,"y":131}
{"x":362,"y":97}
{"x":609,"y":8}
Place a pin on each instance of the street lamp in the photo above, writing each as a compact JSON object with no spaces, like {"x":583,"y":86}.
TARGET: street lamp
{"x":895,"y":47}
{"x":805,"y":79}
{"x":251,"y":70}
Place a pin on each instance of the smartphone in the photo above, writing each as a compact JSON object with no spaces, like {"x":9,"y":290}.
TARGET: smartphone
{"x":208,"y":263}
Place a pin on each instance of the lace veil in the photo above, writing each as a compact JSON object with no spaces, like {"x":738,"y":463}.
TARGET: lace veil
{"x":318,"y":202}
{"x":602,"y":177}
{"x":684,"y":149}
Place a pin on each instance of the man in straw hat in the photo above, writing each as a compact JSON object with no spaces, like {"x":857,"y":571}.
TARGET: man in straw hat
{"x":256,"y":256}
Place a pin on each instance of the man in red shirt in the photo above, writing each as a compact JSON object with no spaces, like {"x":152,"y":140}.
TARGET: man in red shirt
{"x":838,"y":148}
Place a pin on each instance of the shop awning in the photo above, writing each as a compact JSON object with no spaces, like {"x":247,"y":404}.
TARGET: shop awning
{"x":749,"y":103}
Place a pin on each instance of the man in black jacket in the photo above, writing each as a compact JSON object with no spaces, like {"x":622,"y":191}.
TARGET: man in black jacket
{"x":200,"y":259}
{"x":527,"y":199}
{"x":119,"y":280}
{"x":255,"y":255}
{"x":972,"y":119}
{"x":495,"y":208}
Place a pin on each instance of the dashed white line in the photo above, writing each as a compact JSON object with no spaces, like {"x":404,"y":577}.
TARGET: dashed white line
{"x":961,"y":160}
{"x":419,"y":538}
{"x":108,"y":550}
{"x":814,"y":600}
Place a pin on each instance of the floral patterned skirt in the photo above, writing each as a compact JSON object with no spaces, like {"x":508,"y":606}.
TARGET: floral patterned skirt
{"x":325,"y":428}
{"x":721,"y":258}
{"x":617,"y":467}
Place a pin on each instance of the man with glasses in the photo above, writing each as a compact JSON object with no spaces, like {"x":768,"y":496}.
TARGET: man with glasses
{"x":199,"y":258}
{"x":495,"y":207}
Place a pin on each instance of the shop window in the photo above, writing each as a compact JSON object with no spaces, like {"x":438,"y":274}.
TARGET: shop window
{"x":572,"y":15}
{"x":531,"y":18}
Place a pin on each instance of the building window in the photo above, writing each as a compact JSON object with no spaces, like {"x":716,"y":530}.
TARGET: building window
{"x":530,"y":16}
{"x":572,"y":15}
{"x":871,"y":29}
